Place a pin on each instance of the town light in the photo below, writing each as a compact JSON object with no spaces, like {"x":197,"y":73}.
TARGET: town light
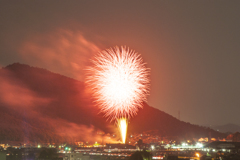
{"x":152,"y":146}
{"x":197,"y":154}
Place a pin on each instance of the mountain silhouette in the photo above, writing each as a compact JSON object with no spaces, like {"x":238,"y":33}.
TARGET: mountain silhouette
{"x":227,"y":128}
{"x":37,"y":105}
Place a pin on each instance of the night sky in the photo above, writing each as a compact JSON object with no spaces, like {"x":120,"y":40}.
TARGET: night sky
{"x":192,"y":47}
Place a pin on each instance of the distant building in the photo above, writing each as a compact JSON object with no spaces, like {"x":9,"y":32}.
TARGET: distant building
{"x":224,"y":146}
{"x":119,"y":146}
{"x":76,"y":156}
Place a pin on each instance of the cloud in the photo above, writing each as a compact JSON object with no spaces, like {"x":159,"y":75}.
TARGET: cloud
{"x":61,"y":51}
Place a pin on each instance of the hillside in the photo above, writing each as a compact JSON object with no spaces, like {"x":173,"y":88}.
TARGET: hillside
{"x":38,"y":105}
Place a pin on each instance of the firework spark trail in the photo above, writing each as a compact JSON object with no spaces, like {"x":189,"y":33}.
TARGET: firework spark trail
{"x":119,"y":81}
{"x":122,"y":125}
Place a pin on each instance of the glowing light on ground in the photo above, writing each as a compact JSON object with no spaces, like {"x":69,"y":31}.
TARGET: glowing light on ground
{"x":119,"y":81}
{"x":122,"y":125}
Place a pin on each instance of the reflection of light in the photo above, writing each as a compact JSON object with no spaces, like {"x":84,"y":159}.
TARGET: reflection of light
{"x":213,"y":150}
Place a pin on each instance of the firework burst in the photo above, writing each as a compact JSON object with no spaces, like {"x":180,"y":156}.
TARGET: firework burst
{"x":119,"y":81}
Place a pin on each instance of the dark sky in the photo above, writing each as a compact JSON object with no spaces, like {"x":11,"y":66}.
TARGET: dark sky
{"x":192,"y":47}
